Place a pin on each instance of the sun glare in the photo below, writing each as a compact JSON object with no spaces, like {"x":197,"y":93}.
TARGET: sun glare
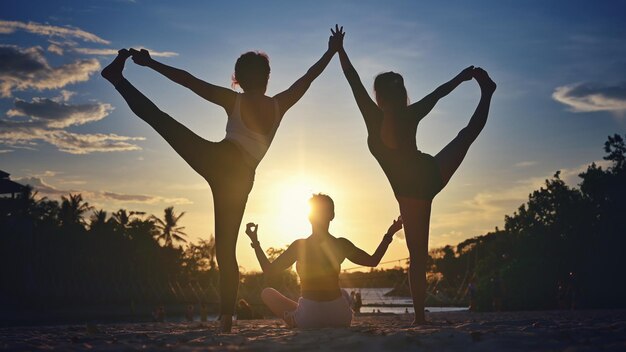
{"x":292,"y":197}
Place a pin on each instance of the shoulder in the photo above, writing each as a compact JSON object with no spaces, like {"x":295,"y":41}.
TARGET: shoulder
{"x":344,"y":243}
{"x":299,"y":243}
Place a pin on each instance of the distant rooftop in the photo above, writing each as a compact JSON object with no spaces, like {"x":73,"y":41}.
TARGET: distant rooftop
{"x":7,"y":186}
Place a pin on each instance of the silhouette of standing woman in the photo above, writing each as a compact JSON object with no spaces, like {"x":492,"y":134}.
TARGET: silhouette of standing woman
{"x":415,"y":177}
{"x":229,"y":165}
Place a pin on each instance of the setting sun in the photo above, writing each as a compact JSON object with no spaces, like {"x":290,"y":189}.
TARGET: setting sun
{"x":293,"y":208}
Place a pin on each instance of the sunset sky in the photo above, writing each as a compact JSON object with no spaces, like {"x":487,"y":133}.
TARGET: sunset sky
{"x":560,"y":69}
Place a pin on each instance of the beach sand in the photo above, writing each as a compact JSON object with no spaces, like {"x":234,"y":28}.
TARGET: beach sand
{"x":449,"y":331}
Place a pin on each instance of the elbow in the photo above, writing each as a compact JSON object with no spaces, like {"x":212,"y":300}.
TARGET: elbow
{"x":373,"y":262}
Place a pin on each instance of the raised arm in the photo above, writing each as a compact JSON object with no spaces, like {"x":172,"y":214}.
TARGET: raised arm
{"x":423,"y":107}
{"x":284,"y":261}
{"x":221,"y":96}
{"x":363,"y":100}
{"x":360,"y":257}
{"x":289,"y":97}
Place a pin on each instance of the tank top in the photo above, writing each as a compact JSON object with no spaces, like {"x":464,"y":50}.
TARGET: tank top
{"x":254,"y":143}
{"x":318,"y":268}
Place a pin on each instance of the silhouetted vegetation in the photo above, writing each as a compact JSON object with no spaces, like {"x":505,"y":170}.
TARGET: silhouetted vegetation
{"x":562,"y":248}
{"x":67,"y":254}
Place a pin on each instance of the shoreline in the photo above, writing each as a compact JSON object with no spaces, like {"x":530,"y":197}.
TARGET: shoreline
{"x":447,"y":331}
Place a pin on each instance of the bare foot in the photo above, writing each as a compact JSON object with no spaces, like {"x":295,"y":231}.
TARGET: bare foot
{"x":226,"y":323}
{"x":420,"y":318}
{"x":484,"y":81}
{"x":113,"y":72}
{"x":420,"y":322}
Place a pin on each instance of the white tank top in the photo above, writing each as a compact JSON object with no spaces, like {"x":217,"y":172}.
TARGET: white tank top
{"x":254,"y":143}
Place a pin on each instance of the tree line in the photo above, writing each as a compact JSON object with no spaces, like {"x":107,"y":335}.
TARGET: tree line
{"x":564,"y":243}
{"x":563,"y":247}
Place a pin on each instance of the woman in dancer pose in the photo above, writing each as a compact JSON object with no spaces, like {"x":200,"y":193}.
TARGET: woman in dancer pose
{"x":415,"y":177}
{"x":318,"y":261}
{"x":229,"y":165}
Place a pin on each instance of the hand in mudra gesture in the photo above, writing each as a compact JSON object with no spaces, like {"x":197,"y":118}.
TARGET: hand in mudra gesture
{"x":251,"y":231}
{"x":396,"y":225}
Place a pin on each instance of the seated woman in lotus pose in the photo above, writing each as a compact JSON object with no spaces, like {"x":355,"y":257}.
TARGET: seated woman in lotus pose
{"x":318,"y":261}
{"x":229,"y":165}
{"x":415,"y":177}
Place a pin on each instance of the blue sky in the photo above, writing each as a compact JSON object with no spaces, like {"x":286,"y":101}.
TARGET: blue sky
{"x":561,"y":91}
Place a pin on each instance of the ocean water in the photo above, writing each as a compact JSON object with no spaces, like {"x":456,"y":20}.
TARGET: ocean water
{"x":377,"y":298}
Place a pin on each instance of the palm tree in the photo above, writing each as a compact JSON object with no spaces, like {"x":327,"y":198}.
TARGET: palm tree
{"x":201,"y":256}
{"x":122,"y":218}
{"x":73,"y":209}
{"x":168,"y":227}
{"x":98,"y":220}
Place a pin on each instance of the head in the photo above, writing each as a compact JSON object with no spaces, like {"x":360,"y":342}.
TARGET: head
{"x":252,"y":71}
{"x":322,"y":209}
{"x":390,"y":91}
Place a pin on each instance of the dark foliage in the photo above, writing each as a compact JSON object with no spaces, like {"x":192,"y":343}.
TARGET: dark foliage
{"x":562,"y":248}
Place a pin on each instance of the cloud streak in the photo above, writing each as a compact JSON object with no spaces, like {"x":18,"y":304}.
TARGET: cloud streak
{"x":27,"y":68}
{"x":9,"y":27}
{"x":28,"y":133}
{"x":112,"y":52}
{"x":59,"y":115}
{"x":525,"y":163}
{"x":587,"y":97}
{"x":47,"y":120}
{"x":46,"y":189}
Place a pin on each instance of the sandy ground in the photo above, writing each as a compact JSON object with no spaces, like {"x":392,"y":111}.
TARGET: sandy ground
{"x":450,"y":331}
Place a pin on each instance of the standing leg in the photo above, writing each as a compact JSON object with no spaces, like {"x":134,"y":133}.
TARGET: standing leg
{"x":451,"y":156}
{"x":279,"y":304}
{"x":229,"y":209}
{"x":416,"y":223}
{"x":208,"y":159}
{"x":191,"y":147}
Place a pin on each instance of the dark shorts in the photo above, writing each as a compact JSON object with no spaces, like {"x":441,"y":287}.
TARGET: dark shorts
{"x":228,"y":169}
{"x":411,"y":174}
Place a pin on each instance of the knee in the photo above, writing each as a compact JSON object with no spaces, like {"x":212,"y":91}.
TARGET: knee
{"x":225,"y":256}
{"x":418,"y":250}
{"x":229,"y":266}
{"x":267,"y":294}
{"x":418,"y":260}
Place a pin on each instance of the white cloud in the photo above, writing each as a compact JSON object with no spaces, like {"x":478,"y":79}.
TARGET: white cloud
{"x":42,"y":187}
{"x":59,"y":115}
{"x":46,"y":189}
{"x":53,"y":48}
{"x":26,"y":68}
{"x":586,"y":97}
{"x":28,"y":134}
{"x":65,"y":95}
{"x":8,"y":27}
{"x":525,"y":163}
{"x":111,"y":52}
{"x":139,"y":198}
{"x":48,"y":118}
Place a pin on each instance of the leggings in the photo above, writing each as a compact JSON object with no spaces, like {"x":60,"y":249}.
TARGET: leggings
{"x":226,"y":169}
